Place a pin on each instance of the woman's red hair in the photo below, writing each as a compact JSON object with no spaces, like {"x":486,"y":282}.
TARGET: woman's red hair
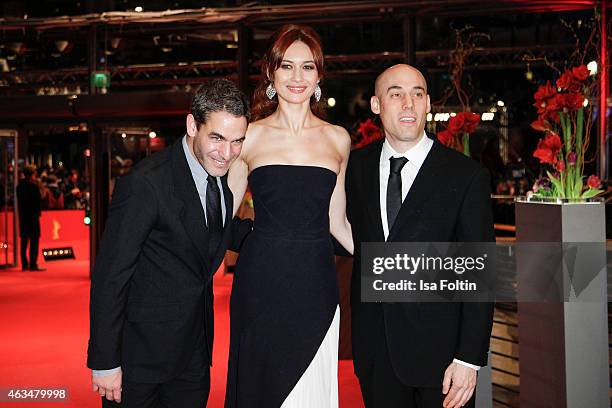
{"x":282,"y":39}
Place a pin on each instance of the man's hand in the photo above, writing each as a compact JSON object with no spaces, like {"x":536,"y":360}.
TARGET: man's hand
{"x":108,"y":386}
{"x":458,"y":385}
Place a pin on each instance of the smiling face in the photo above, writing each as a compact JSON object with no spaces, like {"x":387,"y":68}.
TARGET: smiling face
{"x":296,"y":78}
{"x":217,"y":142}
{"x":402,"y":102}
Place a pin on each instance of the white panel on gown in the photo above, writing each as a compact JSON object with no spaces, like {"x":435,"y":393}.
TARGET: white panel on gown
{"x":318,"y":386}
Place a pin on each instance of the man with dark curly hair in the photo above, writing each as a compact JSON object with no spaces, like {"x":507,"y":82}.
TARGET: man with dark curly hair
{"x":170,"y":222}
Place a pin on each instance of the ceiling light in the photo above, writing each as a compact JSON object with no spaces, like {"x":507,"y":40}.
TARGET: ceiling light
{"x":61,"y":45}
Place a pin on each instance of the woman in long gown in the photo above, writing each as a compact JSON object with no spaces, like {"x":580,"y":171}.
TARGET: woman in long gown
{"x":284,"y":303}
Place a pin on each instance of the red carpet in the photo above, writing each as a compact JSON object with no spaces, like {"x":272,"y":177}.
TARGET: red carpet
{"x":44,"y":331}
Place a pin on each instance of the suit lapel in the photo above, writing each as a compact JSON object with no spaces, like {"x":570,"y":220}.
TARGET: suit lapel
{"x":427,"y":180}
{"x":372,"y":188}
{"x":190,"y":208}
{"x":227,"y":229}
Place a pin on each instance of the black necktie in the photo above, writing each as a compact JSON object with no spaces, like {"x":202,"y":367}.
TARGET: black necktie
{"x":394,"y":189}
{"x":213,"y":215}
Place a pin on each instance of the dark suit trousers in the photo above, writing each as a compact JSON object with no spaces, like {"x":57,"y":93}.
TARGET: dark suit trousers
{"x":189,"y":390}
{"x":382,"y":389}
{"x":33,"y":242}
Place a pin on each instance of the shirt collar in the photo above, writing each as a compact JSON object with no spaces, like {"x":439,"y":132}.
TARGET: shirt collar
{"x":197,"y":171}
{"x":416,"y":155}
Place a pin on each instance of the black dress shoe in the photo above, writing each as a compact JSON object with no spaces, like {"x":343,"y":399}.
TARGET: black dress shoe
{"x":37,"y":269}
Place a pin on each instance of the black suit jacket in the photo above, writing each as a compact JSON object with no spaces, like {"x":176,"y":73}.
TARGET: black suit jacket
{"x":29,"y":206}
{"x":449,"y":201}
{"x":151,"y":292}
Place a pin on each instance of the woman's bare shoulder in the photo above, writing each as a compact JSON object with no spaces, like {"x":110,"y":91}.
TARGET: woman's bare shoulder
{"x":338,"y":135}
{"x":256,"y":137}
{"x":256,"y":127}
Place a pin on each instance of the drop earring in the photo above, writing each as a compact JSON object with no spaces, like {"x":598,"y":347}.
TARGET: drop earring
{"x":317,"y":93}
{"x":270,"y":91}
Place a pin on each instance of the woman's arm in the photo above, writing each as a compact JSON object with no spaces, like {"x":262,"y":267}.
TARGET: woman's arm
{"x":339,"y":226}
{"x":237,"y":181}
{"x":237,"y":176}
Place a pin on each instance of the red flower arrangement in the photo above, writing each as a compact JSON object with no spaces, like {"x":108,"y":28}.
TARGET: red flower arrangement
{"x":367,"y":133}
{"x":548,"y":148}
{"x":593,"y":182}
{"x":456,"y":135}
{"x":561,"y":116}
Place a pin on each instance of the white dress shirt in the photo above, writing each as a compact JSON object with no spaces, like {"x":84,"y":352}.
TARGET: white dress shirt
{"x":200,"y":177}
{"x":416,"y":156}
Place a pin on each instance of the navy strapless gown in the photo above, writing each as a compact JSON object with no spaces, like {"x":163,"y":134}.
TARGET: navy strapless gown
{"x":285,"y":292}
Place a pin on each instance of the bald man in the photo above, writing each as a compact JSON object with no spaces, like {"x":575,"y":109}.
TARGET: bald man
{"x":410,"y":188}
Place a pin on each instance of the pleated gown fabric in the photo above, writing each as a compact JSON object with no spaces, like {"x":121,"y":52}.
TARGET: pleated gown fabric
{"x":284,"y":302}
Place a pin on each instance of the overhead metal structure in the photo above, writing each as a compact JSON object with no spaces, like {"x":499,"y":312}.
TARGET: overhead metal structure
{"x":253,"y":14}
{"x":147,"y":76}
{"x":224,"y":25}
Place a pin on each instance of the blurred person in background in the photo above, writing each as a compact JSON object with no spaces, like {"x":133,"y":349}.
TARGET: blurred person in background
{"x":29,"y":206}
{"x":73,"y":191}
{"x":53,"y":199}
